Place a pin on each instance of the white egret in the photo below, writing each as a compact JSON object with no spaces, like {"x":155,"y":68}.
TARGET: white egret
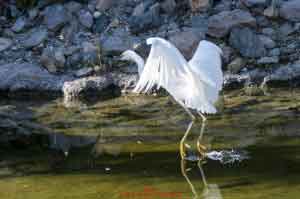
{"x":194,"y":84}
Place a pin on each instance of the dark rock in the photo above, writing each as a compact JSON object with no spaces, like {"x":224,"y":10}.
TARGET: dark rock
{"x":55,"y":16}
{"x":141,"y":8}
{"x":26,"y":76}
{"x":268,"y":60}
{"x":227,"y":53}
{"x":101,"y":23}
{"x":268,"y":31}
{"x":90,"y":54}
{"x":254,"y":3}
{"x":74,"y":60}
{"x":84,"y":72}
{"x":70,"y":50}
{"x":19,"y":24}
{"x":274,"y":52}
{"x":267,"y":42}
{"x":219,"y":25}
{"x":200,"y":5}
{"x":148,"y":20}
{"x":5,"y":43}
{"x":187,"y":41}
{"x":169,"y":6}
{"x":53,"y":59}
{"x":200,"y":22}
{"x":236,"y":65}
{"x":69,"y":31}
{"x":290,"y":10}
{"x":272,"y":11}
{"x":73,"y":6}
{"x":262,"y":21}
{"x":33,"y":13}
{"x":247,"y":42}
{"x":286,"y":73}
{"x":35,"y":37}
{"x":286,"y":29}
{"x":117,"y":42}
{"x":223,"y":5}
{"x":103,"y":5}
{"x":85,"y":18}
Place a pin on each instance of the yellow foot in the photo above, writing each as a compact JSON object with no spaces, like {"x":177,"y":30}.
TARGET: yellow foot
{"x":201,"y":149}
{"x":182,"y":150}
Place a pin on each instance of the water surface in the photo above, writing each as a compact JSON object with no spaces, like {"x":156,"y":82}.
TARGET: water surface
{"x":127,"y":147}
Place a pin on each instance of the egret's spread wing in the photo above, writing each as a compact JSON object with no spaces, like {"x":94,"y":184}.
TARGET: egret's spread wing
{"x":164,"y":67}
{"x":208,"y":77}
{"x":207,"y":64}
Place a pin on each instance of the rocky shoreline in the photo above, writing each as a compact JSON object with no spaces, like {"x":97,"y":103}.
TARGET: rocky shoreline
{"x":73,"y":46}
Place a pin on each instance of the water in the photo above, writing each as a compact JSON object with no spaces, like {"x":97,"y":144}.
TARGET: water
{"x":127,"y":147}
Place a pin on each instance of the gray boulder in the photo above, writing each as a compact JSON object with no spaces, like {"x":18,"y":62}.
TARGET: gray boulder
{"x":268,"y":60}
{"x":86,"y":18}
{"x":53,"y":59}
{"x":290,"y":10}
{"x":168,"y":6}
{"x":55,"y":16}
{"x":19,"y":25}
{"x":254,"y":3}
{"x":247,"y":42}
{"x":35,"y":37}
{"x":103,"y":5}
{"x":5,"y":43}
{"x":147,"y":20}
{"x":73,"y":6}
{"x":29,"y":77}
{"x":119,"y":41}
{"x":90,"y":54}
{"x":219,"y":25}
{"x":200,"y":5}
{"x":187,"y":41}
{"x":283,"y":74}
{"x":267,"y":41}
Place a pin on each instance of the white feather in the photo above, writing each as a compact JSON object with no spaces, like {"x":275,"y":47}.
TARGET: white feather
{"x":196,"y":83}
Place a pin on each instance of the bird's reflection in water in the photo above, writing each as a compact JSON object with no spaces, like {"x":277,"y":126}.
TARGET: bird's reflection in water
{"x":210,"y":191}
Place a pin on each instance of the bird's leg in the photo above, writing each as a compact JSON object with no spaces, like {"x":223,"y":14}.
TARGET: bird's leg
{"x":181,"y":146}
{"x":201,"y":148}
{"x":183,"y":172}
